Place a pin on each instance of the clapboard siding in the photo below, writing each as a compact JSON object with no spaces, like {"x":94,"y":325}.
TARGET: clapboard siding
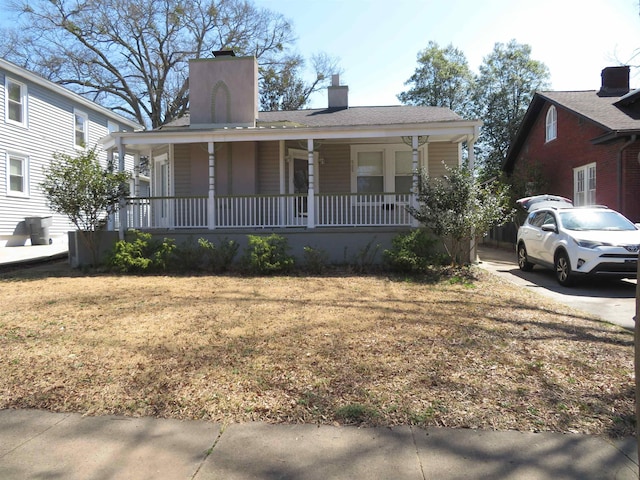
{"x":335,"y":168}
{"x":269,"y":168}
{"x":50,"y":130}
{"x":441,"y":153}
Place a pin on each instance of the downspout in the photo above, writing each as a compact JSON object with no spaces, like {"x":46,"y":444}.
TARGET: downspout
{"x":632,"y":140}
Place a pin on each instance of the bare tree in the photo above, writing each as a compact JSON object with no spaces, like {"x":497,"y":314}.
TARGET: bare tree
{"x":283,"y":88}
{"x":132,"y":55}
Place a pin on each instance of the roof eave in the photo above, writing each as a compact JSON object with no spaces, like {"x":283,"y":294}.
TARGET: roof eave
{"x":464,"y":129}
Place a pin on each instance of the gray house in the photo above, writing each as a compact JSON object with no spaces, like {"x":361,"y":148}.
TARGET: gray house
{"x":39,"y":119}
{"x":334,"y":178}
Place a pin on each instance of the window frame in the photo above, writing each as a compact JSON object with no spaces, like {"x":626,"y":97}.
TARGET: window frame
{"x":24,"y":96}
{"x":24,"y":161}
{"x":551,"y":124}
{"x":388,"y":165}
{"x":85,"y":132}
{"x":586,"y":196}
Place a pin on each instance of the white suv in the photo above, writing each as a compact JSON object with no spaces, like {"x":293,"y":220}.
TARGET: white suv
{"x":577,"y":241}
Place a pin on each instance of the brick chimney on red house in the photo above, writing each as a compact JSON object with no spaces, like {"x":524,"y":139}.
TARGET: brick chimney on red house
{"x":615,"y":81}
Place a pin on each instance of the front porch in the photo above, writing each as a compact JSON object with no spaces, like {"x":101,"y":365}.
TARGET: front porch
{"x":267,"y":211}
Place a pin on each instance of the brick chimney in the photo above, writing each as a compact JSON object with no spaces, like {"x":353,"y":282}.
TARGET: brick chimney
{"x":338,"y":95}
{"x":615,"y":81}
{"x":223,"y":91}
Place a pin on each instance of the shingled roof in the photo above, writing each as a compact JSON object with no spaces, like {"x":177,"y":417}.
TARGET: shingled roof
{"x":617,"y":116}
{"x":345,"y":117}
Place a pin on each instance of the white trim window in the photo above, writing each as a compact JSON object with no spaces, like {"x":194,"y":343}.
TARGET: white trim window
{"x":15,"y":102}
{"x":584,"y":185}
{"x":383,"y":169}
{"x":369,"y":172}
{"x":17,"y":167}
{"x":551,"y":124}
{"x":80,"y":129}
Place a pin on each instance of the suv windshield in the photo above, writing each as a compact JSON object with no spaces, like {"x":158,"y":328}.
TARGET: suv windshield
{"x":595,"y":220}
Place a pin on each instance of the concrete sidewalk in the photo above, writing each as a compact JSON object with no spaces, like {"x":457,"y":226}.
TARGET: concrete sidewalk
{"x":23,"y":255}
{"x":43,"y":445}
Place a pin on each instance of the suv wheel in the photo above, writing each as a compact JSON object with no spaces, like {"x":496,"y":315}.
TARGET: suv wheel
{"x":523,"y":261}
{"x":563,"y":269}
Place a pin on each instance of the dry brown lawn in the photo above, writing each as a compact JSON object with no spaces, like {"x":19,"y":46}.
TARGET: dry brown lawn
{"x":338,"y":348}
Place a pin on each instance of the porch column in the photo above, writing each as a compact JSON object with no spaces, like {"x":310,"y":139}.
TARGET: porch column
{"x":111,"y":218}
{"x":136,"y":190}
{"x":211,"y":201}
{"x":122,"y":205}
{"x":311,"y":194}
{"x":283,"y":184}
{"x":473,"y":248}
{"x":416,"y":177}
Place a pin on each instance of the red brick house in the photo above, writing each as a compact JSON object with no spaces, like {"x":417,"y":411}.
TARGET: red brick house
{"x":584,"y":144}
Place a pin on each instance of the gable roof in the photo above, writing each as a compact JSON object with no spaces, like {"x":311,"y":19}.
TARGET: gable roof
{"x":617,"y":116}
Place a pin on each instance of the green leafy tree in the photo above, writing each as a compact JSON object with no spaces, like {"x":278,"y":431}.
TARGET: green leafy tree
{"x":457,"y":208}
{"x":133,"y":55}
{"x":504,"y":88}
{"x":442,"y":79}
{"x":80,"y":188}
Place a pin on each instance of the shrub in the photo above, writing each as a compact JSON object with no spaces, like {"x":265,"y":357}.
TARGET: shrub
{"x":142,"y":254}
{"x":269,"y":254}
{"x":315,"y":260}
{"x":412,"y":252}
{"x":366,"y":257}
{"x":217,"y":258}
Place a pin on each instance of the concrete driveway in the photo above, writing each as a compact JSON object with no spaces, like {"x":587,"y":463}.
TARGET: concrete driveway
{"x":613,"y":301}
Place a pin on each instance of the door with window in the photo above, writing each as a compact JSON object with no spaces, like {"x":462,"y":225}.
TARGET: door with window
{"x":162,"y":191}
{"x":584,"y":185}
{"x":299,"y":182}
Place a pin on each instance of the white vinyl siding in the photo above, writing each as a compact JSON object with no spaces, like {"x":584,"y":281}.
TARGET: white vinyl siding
{"x":551,"y":124}
{"x":584,"y":185}
{"x":49,"y":116}
{"x":15,"y":102}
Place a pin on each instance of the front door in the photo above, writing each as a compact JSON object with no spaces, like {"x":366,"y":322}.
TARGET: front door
{"x":300,"y":185}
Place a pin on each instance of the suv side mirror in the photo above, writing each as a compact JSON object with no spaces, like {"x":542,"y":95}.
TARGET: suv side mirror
{"x":549,"y":227}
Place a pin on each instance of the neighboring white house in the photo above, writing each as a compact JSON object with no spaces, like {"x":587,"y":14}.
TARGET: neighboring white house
{"x":40,"y":118}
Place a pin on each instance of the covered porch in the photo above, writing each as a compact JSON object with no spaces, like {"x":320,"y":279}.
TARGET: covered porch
{"x":347,"y":179}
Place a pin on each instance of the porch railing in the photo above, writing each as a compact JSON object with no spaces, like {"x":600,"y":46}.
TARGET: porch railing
{"x":269,"y":211}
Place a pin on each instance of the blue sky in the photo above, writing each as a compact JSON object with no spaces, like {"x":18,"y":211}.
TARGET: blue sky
{"x":377,"y":41}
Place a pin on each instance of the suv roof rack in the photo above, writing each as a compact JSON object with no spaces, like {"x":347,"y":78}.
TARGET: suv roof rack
{"x":533,"y":203}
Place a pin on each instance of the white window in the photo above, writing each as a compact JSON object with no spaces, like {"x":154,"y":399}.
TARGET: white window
{"x":16,"y":102}
{"x":370,"y":172}
{"x":584,"y":185}
{"x":383,"y":169}
{"x":17,"y":175}
{"x":551,"y":124}
{"x":80,"y":129}
{"x":403,"y":171}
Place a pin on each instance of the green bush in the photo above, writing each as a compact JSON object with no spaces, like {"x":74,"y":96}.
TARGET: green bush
{"x":315,"y":259}
{"x":412,"y":252}
{"x":217,"y":258}
{"x":142,"y":254}
{"x":265,"y":255}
